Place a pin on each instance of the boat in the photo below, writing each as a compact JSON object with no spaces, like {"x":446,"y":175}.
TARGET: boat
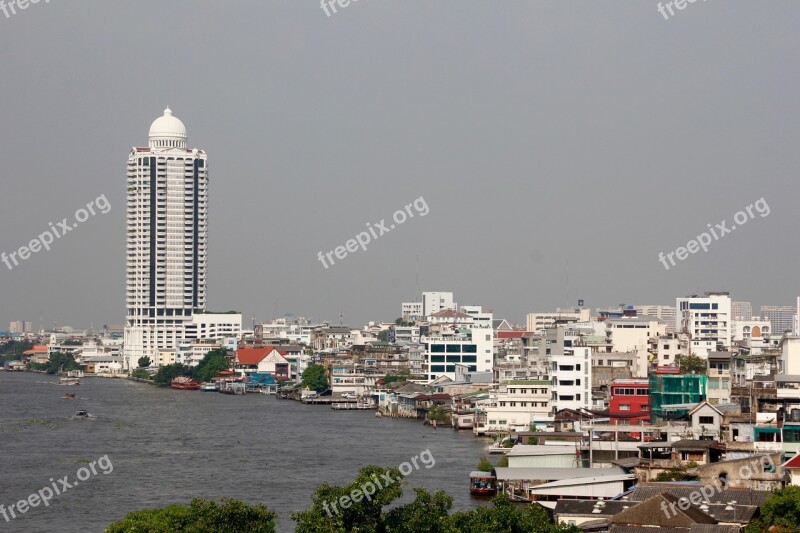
{"x":82,"y":414}
{"x":69,"y":395}
{"x":482,"y":483}
{"x":209,"y":387}
{"x":69,"y":381}
{"x":184,"y":383}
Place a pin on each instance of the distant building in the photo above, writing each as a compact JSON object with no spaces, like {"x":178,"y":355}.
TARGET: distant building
{"x":541,"y":321}
{"x":707,"y":320}
{"x":664,"y":312}
{"x":433,"y":302}
{"x":20,"y":327}
{"x":780,"y":316}
{"x":741,"y":310}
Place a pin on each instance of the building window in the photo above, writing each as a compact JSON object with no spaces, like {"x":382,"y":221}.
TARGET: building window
{"x":624,"y":407}
{"x":707,"y":420}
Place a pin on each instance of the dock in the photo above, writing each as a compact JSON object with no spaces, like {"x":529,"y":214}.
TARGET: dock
{"x":351,"y":406}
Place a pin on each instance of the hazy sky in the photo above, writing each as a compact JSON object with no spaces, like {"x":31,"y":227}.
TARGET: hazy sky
{"x":551,"y":140}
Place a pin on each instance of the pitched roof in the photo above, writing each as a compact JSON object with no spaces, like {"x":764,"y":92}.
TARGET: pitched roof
{"x":450,"y":313}
{"x":701,"y":404}
{"x":741,"y":496}
{"x":39,"y":348}
{"x":252,"y":356}
{"x":661,"y":510}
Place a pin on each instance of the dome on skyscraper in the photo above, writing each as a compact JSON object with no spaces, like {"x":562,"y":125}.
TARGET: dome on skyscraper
{"x":167,"y":131}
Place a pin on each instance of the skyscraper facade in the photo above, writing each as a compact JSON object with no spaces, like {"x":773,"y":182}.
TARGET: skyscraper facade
{"x":167,"y":237}
{"x":780,"y":316}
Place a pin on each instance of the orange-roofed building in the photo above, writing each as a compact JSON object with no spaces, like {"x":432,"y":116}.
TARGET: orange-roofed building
{"x":38,"y":354}
{"x":267,"y":360}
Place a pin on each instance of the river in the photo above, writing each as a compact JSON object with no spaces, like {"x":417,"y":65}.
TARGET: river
{"x":165,"y":446}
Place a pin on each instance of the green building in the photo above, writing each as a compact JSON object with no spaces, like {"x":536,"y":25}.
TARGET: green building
{"x":672,"y":395}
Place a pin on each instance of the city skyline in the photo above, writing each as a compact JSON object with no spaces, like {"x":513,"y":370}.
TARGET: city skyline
{"x":563,"y":185}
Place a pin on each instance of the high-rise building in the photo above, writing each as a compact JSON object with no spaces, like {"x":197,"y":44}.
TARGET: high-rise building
{"x":20,"y":326}
{"x":664,"y":312}
{"x":707,"y":320}
{"x":433,"y":302}
{"x":742,"y":310}
{"x":167,"y":232}
{"x":780,"y":316}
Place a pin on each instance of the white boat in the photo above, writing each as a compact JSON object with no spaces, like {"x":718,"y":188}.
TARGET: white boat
{"x":209,"y":387}
{"x":69,"y":381}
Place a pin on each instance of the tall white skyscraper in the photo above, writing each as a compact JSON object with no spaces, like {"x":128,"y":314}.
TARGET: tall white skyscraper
{"x":167,"y":234}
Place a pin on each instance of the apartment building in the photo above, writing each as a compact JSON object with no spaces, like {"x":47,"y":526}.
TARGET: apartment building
{"x":518,"y":405}
{"x":707,"y":320}
{"x":630,"y":402}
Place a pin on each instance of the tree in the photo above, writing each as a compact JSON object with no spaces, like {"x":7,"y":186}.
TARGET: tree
{"x":57,"y":362}
{"x":505,"y":517}
{"x":484,"y":465}
{"x":335,"y":509}
{"x":503,"y":461}
{"x":12,"y":350}
{"x":144,"y":362}
{"x":167,"y":373}
{"x":314,"y":378}
{"x":394,"y":378}
{"x":675,"y":475}
{"x":426,"y":514}
{"x":438,"y":414}
{"x":781,"y":511}
{"x":211,"y":365}
{"x":383,"y":336}
{"x":230,"y":516}
{"x":691,"y":364}
{"x":141,"y":373}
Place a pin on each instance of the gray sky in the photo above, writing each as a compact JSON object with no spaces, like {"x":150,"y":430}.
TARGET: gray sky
{"x":540,"y":134}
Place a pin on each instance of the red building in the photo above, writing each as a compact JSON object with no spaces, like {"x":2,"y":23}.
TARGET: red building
{"x":630,"y":402}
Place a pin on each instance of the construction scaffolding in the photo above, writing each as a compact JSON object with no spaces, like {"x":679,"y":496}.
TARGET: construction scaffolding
{"x":672,"y":395}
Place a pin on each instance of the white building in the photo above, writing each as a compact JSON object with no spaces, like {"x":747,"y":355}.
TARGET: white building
{"x":668,"y":348}
{"x":665,"y":312}
{"x":571,"y":374}
{"x":433,"y":302}
{"x":541,"y":321}
{"x":756,"y":328}
{"x":630,"y":334}
{"x":411,"y":311}
{"x":516,"y":406}
{"x":471,"y":343}
{"x":707,"y":320}
{"x":167,"y":231}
